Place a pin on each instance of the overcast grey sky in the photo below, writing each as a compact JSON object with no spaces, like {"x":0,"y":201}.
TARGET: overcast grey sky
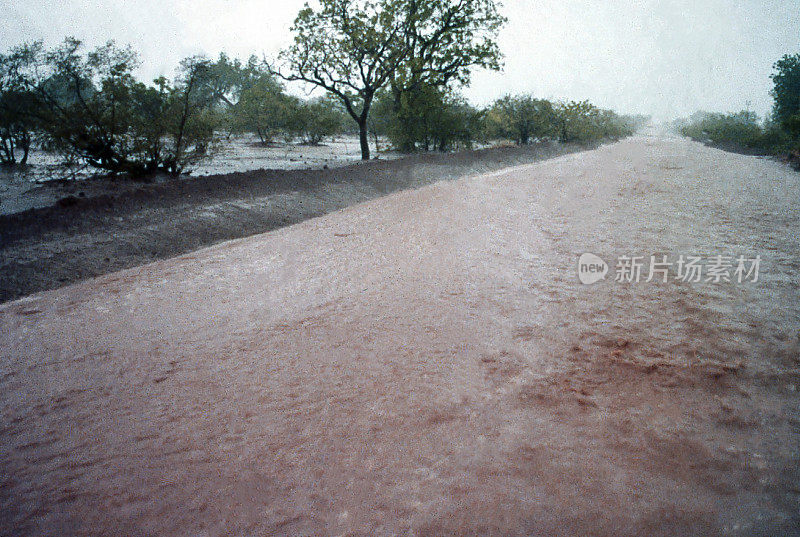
{"x":667,"y":58}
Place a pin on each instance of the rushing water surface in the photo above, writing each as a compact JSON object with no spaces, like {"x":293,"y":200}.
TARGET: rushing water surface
{"x":428,"y":363}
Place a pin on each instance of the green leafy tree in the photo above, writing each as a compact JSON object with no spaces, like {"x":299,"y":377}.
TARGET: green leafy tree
{"x":742,"y":128}
{"x":89,"y":107}
{"x":576,"y":121}
{"x":263,"y":108}
{"x":227,"y":78}
{"x":189,"y":118}
{"x":457,"y":125}
{"x":317,"y":119}
{"x":87,"y":103}
{"x":786,"y":93}
{"x":354,"y":48}
{"x":779,"y":134}
{"x":737,"y":131}
{"x":250,"y":97}
{"x":521,"y":119}
{"x":428,"y":118}
{"x":382,"y":118}
{"x":612,"y":126}
{"x":348,"y":48}
{"x":582,"y":122}
{"x":445,"y":41}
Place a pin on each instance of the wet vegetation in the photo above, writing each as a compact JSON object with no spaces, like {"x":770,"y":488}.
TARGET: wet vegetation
{"x":745,"y":131}
{"x":391,"y":69}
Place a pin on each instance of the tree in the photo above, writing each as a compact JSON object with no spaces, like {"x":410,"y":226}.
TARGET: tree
{"x":252,"y":99}
{"x":445,"y":40}
{"x":264,"y":109}
{"x":583,"y":122}
{"x":354,"y":48}
{"x":454,"y":125}
{"x":521,"y":118}
{"x":189,"y":115}
{"x":349,"y":48}
{"x":786,"y":93}
{"x":742,"y":129}
{"x":89,"y":107}
{"x":86,"y":102}
{"x":382,"y":118}
{"x":428,"y":118}
{"x":318,"y":118}
{"x":577,"y":121}
{"x":17,"y":112}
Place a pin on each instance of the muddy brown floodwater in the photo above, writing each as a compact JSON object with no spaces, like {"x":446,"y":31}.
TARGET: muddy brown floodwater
{"x":104,"y":226}
{"x":427,"y":363}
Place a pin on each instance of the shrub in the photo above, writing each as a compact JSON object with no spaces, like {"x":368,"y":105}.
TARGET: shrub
{"x":582,"y":122}
{"x":427,"y":118}
{"x":89,"y":107}
{"x":521,"y":119}
{"x":317,"y":119}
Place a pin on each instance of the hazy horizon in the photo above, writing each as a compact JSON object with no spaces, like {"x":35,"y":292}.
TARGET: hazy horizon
{"x":667,"y":59}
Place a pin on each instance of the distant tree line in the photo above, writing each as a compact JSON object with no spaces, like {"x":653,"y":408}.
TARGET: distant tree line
{"x":777,"y":134}
{"x":390,"y":69}
{"x":432,"y":120}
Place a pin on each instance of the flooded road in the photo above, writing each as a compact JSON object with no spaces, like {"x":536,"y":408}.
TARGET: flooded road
{"x":428,"y":363}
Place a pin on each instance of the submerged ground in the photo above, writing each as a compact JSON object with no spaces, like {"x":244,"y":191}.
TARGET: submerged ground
{"x":48,"y":179}
{"x":428,"y":363}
